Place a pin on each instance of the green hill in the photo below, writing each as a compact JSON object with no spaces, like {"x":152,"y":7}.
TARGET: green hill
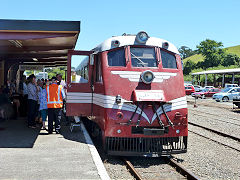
{"x":198,"y":57}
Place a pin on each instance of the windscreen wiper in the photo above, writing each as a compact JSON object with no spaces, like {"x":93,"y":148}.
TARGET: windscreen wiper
{"x":141,"y":62}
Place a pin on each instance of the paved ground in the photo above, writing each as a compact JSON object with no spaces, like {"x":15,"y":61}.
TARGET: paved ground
{"x":32,"y":154}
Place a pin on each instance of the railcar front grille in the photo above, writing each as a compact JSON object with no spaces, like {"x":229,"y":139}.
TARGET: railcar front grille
{"x":142,"y":146}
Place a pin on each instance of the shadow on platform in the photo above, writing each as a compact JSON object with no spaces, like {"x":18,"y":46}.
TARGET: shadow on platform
{"x":14,"y":133}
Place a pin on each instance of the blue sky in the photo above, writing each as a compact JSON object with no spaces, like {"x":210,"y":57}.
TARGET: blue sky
{"x":182,"y":22}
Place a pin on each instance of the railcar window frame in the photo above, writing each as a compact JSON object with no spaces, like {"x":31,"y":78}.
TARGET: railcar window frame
{"x":98,"y":74}
{"x":115,"y":50}
{"x":147,"y":47}
{"x":171,"y":53}
{"x":83,"y":72}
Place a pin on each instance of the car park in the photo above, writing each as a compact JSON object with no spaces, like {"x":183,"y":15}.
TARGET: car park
{"x":206,"y":93}
{"x":198,"y":88}
{"x":189,"y":89}
{"x":207,"y":87}
{"x":230,"y":85}
{"x":226,"y":94}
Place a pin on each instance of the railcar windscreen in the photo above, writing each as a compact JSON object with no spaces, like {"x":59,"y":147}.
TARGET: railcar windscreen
{"x":117,"y":58}
{"x":168,"y":60}
{"x":143,"y":57}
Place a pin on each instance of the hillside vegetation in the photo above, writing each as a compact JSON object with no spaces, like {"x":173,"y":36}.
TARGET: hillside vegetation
{"x":198,"y":57}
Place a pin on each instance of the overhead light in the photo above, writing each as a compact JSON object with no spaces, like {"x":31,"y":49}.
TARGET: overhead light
{"x":165,"y":45}
{"x":16,"y":43}
{"x":35,"y":59}
{"x":142,"y":37}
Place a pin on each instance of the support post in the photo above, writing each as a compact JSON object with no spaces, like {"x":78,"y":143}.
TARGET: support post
{"x":223,"y":80}
{"x":205,"y":79}
{"x":233,"y":78}
{"x":214,"y":80}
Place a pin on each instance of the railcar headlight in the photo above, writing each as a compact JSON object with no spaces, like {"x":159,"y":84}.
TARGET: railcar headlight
{"x":142,"y":37}
{"x":115,"y":43}
{"x":147,"y":77}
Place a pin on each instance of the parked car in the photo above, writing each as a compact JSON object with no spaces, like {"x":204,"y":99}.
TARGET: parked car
{"x":207,"y":87}
{"x":236,"y":100}
{"x":206,"y":93}
{"x":198,"y":88}
{"x":189,"y":89}
{"x":226,"y":94}
{"x":230,"y":85}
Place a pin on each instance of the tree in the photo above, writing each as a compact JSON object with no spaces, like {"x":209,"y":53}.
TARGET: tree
{"x":212,"y":52}
{"x":188,"y":67}
{"x":230,"y":59}
{"x":186,"y":52}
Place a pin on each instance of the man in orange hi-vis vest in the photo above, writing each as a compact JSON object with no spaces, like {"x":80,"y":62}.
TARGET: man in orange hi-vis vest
{"x":55,"y":96}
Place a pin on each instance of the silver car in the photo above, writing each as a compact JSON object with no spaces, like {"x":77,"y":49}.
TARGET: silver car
{"x":226,"y":94}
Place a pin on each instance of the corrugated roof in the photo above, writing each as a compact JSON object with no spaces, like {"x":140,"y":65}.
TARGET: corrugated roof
{"x":221,"y":71}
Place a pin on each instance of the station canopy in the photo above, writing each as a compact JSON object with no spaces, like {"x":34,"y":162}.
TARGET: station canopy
{"x":37,"y":42}
{"x":222,"y":71}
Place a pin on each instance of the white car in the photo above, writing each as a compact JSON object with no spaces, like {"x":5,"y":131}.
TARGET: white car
{"x":226,"y":94}
{"x":207,"y":87}
{"x":197,"y":88}
{"x":230,"y":85}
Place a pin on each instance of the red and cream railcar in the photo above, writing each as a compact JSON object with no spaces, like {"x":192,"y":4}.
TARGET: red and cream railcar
{"x":132,"y":88}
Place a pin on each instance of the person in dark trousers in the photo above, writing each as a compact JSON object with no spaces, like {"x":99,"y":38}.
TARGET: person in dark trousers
{"x":32,"y":101}
{"x":55,"y":96}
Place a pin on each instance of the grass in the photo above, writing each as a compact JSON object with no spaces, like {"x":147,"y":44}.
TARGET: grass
{"x":198,"y":57}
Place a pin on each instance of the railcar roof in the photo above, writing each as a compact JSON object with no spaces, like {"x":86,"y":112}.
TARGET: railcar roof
{"x":131,"y":40}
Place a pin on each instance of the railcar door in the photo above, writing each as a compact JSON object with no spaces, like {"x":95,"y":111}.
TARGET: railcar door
{"x":79,"y":92}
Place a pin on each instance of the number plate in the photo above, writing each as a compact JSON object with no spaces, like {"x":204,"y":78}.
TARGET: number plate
{"x":150,"y":95}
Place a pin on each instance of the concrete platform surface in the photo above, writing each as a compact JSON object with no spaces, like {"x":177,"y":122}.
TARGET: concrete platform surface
{"x":33,"y":154}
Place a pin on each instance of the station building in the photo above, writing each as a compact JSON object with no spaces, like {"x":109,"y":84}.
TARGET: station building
{"x":34,"y":45}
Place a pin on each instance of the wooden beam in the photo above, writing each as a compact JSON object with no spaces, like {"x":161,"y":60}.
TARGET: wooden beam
{"x":11,"y":49}
{"x":32,"y":55}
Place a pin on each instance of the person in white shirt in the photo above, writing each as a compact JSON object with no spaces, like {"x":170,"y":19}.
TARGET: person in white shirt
{"x":61,"y":81}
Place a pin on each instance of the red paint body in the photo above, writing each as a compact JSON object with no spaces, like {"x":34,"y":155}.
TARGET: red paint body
{"x":209,"y":93}
{"x":114,"y":123}
{"x":189,"y":90}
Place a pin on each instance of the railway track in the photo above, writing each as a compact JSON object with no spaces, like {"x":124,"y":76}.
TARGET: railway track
{"x":169,"y":160}
{"x":212,"y":114}
{"x":217,"y":119}
{"x":214,"y":140}
{"x":216,"y":132}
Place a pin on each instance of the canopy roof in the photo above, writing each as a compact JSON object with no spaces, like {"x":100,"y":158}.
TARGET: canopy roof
{"x":37,"y":42}
{"x":222,"y":71}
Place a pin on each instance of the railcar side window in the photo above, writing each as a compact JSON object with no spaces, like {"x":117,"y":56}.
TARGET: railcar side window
{"x":98,"y":69}
{"x":168,"y":60}
{"x":117,"y":58}
{"x":143,"y":57}
{"x":79,"y":69}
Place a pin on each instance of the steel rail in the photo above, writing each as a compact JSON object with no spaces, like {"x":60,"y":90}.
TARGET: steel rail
{"x":179,"y":168}
{"x":216,"y":132}
{"x":235,"y":119}
{"x":215,"y":119}
{"x":133,"y":171}
{"x":215,"y":141}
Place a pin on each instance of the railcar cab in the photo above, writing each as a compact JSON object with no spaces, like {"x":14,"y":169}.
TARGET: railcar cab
{"x":136,"y":59}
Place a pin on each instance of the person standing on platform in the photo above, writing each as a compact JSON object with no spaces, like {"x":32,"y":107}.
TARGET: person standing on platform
{"x":25,"y":96}
{"x":43,"y":104}
{"x":32,"y":101}
{"x":55,"y":96}
{"x":61,"y":81}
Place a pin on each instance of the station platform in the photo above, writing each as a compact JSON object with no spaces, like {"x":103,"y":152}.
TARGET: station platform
{"x":33,"y":154}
